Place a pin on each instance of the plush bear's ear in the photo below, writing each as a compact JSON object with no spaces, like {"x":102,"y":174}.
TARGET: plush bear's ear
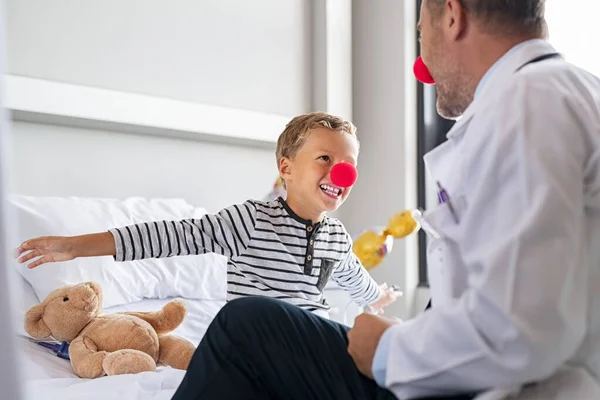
{"x":34,"y":324}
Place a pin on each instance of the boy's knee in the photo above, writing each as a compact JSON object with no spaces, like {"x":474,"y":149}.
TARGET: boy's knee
{"x":250,"y":307}
{"x":255,"y":310}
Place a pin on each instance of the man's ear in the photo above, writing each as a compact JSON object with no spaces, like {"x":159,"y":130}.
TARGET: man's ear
{"x":285,"y":168}
{"x":456,"y":19}
{"x":34,"y":324}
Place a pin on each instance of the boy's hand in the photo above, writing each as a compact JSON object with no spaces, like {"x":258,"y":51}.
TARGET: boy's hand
{"x":49,"y":248}
{"x":389,"y":295}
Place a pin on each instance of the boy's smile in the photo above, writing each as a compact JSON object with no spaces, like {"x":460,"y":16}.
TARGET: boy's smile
{"x":310,"y":192}
{"x":332,"y":191}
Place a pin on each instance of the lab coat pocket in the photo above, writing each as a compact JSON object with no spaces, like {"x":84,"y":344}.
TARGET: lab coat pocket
{"x":444,"y":220}
{"x":443,"y":227}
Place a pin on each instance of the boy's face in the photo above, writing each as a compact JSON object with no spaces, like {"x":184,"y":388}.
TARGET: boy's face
{"x":308,"y":183}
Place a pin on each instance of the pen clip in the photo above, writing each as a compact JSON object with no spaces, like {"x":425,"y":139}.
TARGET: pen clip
{"x":444,"y":198}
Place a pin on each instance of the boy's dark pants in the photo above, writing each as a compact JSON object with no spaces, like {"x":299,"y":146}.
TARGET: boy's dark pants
{"x":261,"y":348}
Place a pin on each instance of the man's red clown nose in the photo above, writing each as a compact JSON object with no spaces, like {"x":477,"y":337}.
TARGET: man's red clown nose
{"x":422,"y":72}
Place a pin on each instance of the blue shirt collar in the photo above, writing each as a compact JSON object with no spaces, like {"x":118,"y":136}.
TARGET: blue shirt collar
{"x":491,"y":70}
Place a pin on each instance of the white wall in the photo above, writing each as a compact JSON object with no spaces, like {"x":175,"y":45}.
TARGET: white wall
{"x":220,"y":52}
{"x":109,"y":164}
{"x":223,"y":52}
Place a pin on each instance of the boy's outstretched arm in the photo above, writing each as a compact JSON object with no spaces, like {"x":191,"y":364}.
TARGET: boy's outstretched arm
{"x":227,"y":233}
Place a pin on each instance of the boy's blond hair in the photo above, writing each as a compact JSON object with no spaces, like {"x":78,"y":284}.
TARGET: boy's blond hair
{"x":298,"y":129}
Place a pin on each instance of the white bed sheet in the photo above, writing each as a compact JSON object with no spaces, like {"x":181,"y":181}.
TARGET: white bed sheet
{"x":49,"y":377}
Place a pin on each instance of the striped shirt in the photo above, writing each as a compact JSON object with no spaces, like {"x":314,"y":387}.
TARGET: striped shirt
{"x":271,"y":252}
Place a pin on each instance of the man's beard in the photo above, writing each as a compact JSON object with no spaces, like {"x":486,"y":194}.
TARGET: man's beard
{"x":454,"y":88}
{"x":453,"y":98}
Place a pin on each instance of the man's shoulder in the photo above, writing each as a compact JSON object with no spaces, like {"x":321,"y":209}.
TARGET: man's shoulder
{"x":553,"y":84}
{"x":531,"y":116}
{"x":558,"y":91}
{"x":552,"y":75}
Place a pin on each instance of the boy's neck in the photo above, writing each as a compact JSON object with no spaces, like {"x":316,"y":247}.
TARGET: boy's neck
{"x":301,"y":211}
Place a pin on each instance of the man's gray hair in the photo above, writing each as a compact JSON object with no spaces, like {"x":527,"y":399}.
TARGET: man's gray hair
{"x":504,"y":17}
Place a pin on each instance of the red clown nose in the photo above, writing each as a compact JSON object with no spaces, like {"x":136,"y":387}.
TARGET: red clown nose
{"x":422,"y":72}
{"x":343,"y":174}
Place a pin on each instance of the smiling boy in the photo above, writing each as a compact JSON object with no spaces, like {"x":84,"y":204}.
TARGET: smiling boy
{"x":286,"y":249}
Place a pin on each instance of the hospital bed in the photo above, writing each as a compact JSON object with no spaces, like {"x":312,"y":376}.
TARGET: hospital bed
{"x":70,"y":179}
{"x":75,"y":174}
{"x":112,"y":164}
{"x":200,"y":281}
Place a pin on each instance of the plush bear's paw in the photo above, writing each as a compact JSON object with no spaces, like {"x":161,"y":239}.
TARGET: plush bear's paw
{"x":171,"y":316}
{"x":128,"y":362}
{"x":175,"y":351}
{"x":176,"y":307}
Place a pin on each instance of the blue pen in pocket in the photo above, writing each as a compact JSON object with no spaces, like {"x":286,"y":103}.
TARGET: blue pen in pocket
{"x":444,"y":198}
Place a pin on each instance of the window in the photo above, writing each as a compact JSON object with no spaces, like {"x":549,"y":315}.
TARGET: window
{"x":431,"y":132}
{"x":573,"y":28}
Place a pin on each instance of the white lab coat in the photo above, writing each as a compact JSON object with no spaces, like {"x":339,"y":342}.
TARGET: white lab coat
{"x":516,"y":282}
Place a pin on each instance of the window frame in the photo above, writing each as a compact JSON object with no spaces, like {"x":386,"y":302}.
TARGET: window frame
{"x":431,"y":132}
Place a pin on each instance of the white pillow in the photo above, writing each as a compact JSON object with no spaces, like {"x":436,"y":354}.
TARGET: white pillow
{"x":195,"y":277}
{"x":22,"y":299}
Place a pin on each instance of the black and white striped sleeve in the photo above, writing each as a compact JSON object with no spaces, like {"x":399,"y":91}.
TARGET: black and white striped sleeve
{"x":227,"y":233}
{"x":353,"y":277}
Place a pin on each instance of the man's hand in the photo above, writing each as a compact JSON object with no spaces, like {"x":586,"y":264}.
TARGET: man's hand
{"x":363,"y":339}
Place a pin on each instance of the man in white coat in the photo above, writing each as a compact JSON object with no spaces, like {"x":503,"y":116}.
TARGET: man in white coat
{"x":514,"y":261}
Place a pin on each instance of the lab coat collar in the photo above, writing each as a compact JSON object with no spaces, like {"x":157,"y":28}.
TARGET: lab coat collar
{"x":514,"y":59}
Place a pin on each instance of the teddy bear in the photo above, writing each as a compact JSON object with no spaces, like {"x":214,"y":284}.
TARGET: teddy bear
{"x":113,"y":344}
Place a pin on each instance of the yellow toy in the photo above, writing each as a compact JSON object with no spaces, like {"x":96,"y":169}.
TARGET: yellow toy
{"x":277,"y":191}
{"x":371,"y":247}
